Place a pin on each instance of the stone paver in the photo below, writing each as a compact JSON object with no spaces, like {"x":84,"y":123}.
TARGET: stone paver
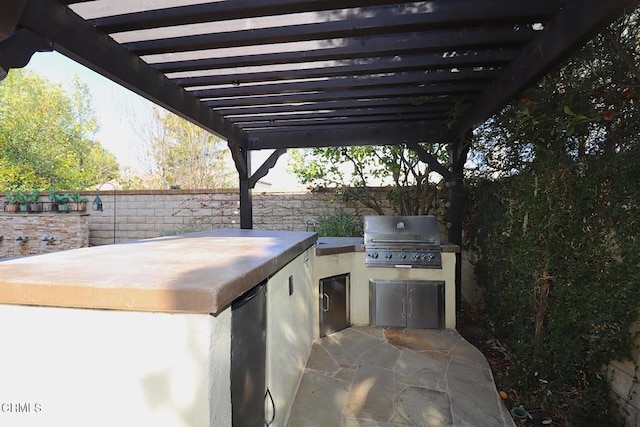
{"x":320,"y":360}
{"x":371,"y":395}
{"x":423,"y":369}
{"x":324,"y":400}
{"x":473,"y":394}
{"x":425,"y":407}
{"x":347,"y":346}
{"x":377,"y":377}
{"x":382,"y":355}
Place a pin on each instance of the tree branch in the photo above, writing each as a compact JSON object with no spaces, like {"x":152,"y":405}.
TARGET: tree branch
{"x":624,"y":54}
{"x":428,"y":158}
{"x":373,"y":204}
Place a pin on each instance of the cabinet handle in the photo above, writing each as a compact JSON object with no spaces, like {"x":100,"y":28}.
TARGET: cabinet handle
{"x":410,"y":307}
{"x":273,"y":408}
{"x":403,"y":312}
{"x":325,"y":308}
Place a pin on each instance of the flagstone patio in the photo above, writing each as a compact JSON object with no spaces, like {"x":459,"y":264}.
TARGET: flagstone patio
{"x":367,"y":376}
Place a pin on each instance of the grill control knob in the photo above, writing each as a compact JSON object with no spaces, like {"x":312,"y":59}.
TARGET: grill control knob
{"x":388,"y":255}
{"x":403,"y":255}
{"x":430,"y":256}
{"x":375,"y":255}
{"x":416,"y":256}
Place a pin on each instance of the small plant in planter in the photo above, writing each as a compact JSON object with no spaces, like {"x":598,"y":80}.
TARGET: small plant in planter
{"x":10,"y":202}
{"x":22,"y":200}
{"x":32,"y":200}
{"x":63,"y":202}
{"x":78,"y":202}
{"x":59,"y":202}
{"x":52,"y":199}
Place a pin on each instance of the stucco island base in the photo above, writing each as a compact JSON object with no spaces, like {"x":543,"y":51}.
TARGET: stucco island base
{"x":140,"y":334}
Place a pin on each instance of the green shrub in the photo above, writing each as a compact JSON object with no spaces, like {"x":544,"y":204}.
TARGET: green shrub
{"x":559,"y":264}
{"x":340,"y":224}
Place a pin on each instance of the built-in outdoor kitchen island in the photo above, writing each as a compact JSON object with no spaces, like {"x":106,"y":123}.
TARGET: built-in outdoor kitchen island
{"x":193,"y":330}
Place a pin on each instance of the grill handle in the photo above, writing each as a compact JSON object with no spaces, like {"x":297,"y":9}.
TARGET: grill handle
{"x":394,"y":241}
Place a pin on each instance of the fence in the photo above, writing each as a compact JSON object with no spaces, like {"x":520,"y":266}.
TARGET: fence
{"x":147,"y":214}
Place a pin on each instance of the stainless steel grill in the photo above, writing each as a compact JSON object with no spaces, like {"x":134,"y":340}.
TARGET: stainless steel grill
{"x":402,"y":241}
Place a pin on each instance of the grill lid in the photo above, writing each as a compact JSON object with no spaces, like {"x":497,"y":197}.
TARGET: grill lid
{"x":398,"y":230}
{"x":402,"y":241}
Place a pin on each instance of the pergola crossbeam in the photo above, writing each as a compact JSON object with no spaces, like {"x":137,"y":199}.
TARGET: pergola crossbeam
{"x":79,"y":40}
{"x":571,"y":27}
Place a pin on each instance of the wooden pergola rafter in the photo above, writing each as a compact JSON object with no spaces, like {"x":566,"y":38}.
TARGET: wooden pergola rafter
{"x":278,"y":74}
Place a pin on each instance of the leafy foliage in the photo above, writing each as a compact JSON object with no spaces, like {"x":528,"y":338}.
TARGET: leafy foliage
{"x":45,"y":136}
{"x":355,"y":170}
{"x":340,"y":224}
{"x":557,"y":234}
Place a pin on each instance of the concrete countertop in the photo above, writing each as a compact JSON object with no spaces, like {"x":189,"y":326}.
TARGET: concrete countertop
{"x":339,"y":245}
{"x":194,"y":273}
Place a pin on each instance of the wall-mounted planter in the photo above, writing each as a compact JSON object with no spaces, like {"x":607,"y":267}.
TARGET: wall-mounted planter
{"x":78,"y":206}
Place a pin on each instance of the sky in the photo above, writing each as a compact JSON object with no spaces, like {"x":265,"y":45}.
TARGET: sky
{"x":113,"y":105}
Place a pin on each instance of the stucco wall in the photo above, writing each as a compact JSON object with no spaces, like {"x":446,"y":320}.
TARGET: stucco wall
{"x":289,"y":333}
{"x":354,"y":263}
{"x":77,"y":368}
{"x":625,"y":387}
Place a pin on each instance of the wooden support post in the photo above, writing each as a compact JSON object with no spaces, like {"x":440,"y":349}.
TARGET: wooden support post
{"x":246,"y":203}
{"x":455,"y":182}
{"x":242,"y":160}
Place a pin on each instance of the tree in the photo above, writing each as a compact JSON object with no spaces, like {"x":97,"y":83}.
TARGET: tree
{"x":587,"y":107}
{"x":355,"y":170}
{"x":554,"y":229}
{"x":179,"y":154}
{"x":46,"y":136}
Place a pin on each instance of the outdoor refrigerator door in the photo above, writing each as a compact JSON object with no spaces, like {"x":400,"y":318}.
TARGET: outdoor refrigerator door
{"x":248,"y":357}
{"x":334,"y":304}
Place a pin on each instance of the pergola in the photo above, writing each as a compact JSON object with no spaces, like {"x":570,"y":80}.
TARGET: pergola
{"x":278,"y":74}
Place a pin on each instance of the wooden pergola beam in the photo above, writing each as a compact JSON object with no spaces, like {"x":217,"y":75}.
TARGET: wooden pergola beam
{"x":82,"y":42}
{"x":575,"y":24}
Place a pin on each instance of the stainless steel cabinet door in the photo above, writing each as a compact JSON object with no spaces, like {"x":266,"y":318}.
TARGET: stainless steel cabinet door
{"x":424,"y":304}
{"x":390,"y":303}
{"x":334,"y":304}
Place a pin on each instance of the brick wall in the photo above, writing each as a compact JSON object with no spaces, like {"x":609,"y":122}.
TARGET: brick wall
{"x":148,"y":214}
{"x":154,"y":213}
{"x":69,"y":231}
